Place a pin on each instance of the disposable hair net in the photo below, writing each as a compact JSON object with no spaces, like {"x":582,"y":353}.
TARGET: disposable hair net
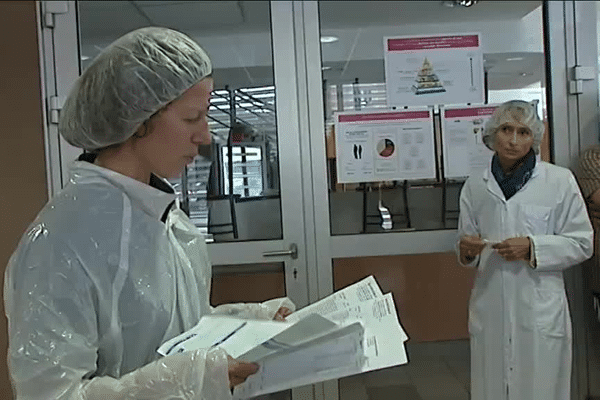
{"x":511,"y":111}
{"x":127,"y":83}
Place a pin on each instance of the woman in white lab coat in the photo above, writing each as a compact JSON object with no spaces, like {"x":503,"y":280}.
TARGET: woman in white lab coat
{"x":112,"y":268}
{"x":522,"y":222}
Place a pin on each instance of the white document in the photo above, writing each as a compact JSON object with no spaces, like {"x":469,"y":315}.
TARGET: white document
{"x":462,"y":137}
{"x":434,"y":69}
{"x":303,"y":331}
{"x":374,"y":146}
{"x":354,"y":330}
{"x":337,"y":304}
{"x":384,"y":337}
{"x":235,"y":336}
{"x":334,"y":355}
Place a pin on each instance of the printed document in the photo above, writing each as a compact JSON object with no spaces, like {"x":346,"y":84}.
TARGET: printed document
{"x":354,"y":330}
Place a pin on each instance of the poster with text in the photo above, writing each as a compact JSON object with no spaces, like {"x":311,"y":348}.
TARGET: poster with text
{"x":434,"y":70}
{"x":382,"y":146}
{"x":462,"y":132}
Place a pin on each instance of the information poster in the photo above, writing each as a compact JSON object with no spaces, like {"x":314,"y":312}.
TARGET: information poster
{"x":462,"y":132}
{"x":434,"y":70}
{"x":381,"y":146}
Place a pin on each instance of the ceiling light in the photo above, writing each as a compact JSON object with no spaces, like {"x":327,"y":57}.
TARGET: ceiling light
{"x":325,"y":68}
{"x":83,"y":58}
{"x":515,"y":59}
{"x":329,"y":39}
{"x":462,"y":3}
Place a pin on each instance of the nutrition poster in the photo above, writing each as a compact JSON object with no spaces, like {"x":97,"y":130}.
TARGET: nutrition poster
{"x":380,"y":146}
{"x":463,"y":149}
{"x":434,"y":70}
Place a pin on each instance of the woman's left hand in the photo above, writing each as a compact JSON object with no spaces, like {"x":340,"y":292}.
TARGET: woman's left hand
{"x":514,"y":249}
{"x":282,"y":313}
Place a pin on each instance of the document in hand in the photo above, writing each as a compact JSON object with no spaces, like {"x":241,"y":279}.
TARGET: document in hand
{"x":351,"y":331}
{"x":383,"y":338}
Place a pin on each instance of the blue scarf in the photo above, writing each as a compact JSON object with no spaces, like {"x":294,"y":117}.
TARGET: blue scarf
{"x":511,"y":184}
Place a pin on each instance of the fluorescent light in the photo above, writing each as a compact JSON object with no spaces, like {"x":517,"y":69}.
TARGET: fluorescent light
{"x":83,"y":58}
{"x":329,"y":39}
{"x":515,"y":59}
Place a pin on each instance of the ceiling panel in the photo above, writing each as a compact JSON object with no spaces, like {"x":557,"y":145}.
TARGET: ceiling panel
{"x":104,"y":21}
{"x":193,"y":15}
{"x":342,"y":14}
{"x":108,"y":19}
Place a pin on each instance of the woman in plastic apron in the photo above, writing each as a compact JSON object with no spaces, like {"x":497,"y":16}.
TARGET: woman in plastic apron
{"x":112,"y":268}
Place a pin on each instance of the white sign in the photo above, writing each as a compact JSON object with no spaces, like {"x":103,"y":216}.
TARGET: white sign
{"x":462,"y":133}
{"x":434,"y":70}
{"x":382,"y":146}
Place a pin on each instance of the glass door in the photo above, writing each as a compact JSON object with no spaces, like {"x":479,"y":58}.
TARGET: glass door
{"x":346,"y":68}
{"x":245,"y":190}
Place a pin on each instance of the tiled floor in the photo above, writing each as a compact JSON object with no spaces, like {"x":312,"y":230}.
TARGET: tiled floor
{"x":436,"y":371}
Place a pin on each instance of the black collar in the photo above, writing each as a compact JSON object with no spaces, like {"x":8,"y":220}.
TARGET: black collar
{"x":155,"y":182}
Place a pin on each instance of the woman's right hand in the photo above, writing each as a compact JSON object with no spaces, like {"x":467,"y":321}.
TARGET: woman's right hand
{"x":470,"y":247}
{"x":239,"y":371}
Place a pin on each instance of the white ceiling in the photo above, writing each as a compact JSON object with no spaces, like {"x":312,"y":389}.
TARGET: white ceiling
{"x":218,"y":17}
{"x":212,"y":22}
{"x":338,"y":14}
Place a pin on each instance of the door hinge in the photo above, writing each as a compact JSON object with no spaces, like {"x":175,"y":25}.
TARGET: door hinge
{"x":55,"y":104}
{"x":579,"y":75}
{"x":52,"y":8}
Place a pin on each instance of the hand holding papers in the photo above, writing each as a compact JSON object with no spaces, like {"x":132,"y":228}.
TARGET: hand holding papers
{"x":364,"y":301}
{"x":351,"y":331}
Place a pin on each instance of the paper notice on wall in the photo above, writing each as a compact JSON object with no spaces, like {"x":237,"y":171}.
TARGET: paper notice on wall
{"x":387,"y":145}
{"x":462,"y":138}
{"x":434,"y":69}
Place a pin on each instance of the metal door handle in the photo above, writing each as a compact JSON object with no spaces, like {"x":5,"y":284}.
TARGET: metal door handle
{"x":292,"y":252}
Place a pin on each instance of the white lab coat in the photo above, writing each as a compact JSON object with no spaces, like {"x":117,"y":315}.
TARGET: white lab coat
{"x":519,"y":321}
{"x":98,"y":283}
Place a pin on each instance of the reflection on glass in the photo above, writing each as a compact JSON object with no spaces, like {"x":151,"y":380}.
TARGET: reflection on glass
{"x":232,"y":189}
{"x":353,"y":72}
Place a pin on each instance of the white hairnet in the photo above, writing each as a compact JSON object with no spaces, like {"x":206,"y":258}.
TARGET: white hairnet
{"x":128,"y":82}
{"x":519,"y":111}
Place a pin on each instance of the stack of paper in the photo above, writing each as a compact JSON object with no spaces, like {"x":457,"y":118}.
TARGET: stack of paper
{"x":384,"y":337}
{"x":351,"y":331}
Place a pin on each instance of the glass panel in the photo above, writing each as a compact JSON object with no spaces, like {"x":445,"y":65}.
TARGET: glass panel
{"x":353,"y":69}
{"x":224,"y":196}
{"x":431,"y":294}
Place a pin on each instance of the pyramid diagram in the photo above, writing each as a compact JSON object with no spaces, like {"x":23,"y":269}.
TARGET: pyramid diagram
{"x":427,"y":81}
